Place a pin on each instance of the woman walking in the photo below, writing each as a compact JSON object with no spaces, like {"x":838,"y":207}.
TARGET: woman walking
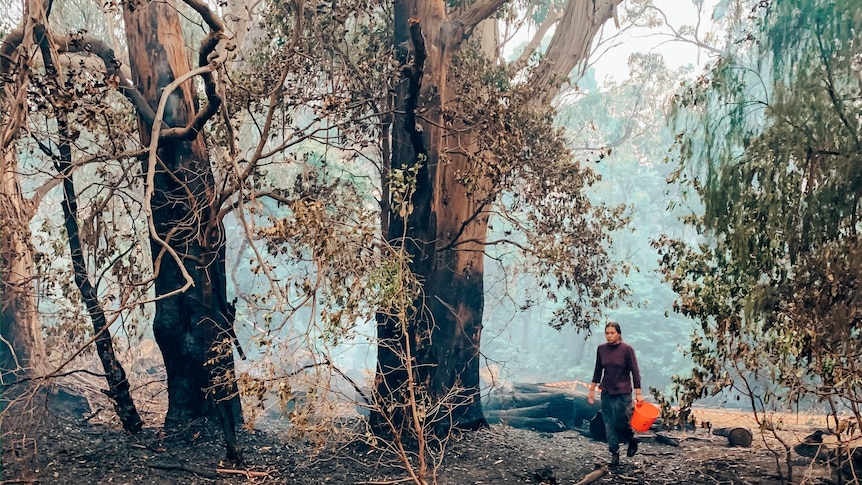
{"x":617,"y":374}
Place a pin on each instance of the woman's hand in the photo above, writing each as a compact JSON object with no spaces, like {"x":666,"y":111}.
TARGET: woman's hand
{"x":638,"y":396}
{"x":591,"y":396}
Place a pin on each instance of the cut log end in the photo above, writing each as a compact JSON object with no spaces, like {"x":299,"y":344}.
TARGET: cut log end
{"x":739,"y":437}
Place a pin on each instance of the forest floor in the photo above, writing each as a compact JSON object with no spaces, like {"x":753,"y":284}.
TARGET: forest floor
{"x":95,"y":450}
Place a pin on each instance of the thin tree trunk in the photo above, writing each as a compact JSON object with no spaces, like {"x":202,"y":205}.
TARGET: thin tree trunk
{"x":118,"y":384}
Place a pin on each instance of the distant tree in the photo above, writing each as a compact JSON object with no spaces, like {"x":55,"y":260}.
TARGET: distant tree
{"x":770,"y":140}
{"x":620,"y":126}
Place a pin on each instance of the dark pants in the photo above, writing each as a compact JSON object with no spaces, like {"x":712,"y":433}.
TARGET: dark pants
{"x":617,"y":412}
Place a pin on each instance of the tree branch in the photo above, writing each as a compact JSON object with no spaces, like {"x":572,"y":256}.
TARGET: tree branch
{"x":571,"y":43}
{"x":550,"y":19}
{"x":477,"y":13}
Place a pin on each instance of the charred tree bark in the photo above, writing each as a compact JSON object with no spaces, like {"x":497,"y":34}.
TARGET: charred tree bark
{"x":446,"y":327}
{"x":446,"y":233}
{"x":193,"y":327}
{"x":408,"y":152}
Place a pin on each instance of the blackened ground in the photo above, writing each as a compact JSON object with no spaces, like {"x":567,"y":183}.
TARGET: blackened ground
{"x":67,"y":451}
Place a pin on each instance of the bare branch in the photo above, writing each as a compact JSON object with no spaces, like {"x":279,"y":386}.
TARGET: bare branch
{"x":151,"y":176}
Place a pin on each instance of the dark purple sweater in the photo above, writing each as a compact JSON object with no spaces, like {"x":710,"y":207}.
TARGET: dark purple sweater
{"x":617,"y":369}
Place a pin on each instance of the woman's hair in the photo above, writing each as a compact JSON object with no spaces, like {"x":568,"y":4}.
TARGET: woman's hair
{"x":616,"y":327}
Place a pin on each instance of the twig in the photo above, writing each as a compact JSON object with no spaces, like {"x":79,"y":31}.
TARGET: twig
{"x":599,"y":472}
{"x":385,"y":482}
{"x":247,"y":473}
{"x":177,"y":464}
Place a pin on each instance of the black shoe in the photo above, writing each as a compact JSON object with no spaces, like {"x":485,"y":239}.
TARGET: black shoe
{"x":633,"y":447}
{"x":615,"y":459}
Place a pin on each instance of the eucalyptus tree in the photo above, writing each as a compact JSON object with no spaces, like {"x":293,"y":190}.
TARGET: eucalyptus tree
{"x":465,"y":132}
{"x":770,"y":140}
{"x":193,"y":318}
{"x":193,"y":322}
{"x":22,"y":350}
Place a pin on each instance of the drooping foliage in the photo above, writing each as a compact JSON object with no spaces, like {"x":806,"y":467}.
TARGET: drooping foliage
{"x":770,"y":140}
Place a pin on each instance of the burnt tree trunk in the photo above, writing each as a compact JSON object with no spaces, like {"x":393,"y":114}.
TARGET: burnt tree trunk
{"x":445,"y":330}
{"x":118,"y":384}
{"x":193,"y":326}
{"x":446,"y":232}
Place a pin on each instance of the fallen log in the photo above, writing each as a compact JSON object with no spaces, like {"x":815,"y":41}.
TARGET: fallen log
{"x":521,"y":400}
{"x":544,"y":425}
{"x":568,"y":404}
{"x":496,"y":415}
{"x":666,"y":440}
{"x":735,"y":436}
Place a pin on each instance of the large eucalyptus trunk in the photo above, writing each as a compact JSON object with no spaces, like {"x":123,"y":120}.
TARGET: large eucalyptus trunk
{"x":193,"y":324}
{"x":441,"y":342}
{"x":446,"y":232}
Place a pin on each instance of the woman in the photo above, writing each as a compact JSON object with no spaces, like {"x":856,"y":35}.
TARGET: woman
{"x":617,"y":373}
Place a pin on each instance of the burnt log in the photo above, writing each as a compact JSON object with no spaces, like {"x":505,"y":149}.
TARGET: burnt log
{"x":735,"y":436}
{"x":544,"y":425}
{"x":522,"y":400}
{"x":569,"y":406}
{"x":666,"y":440}
{"x":498,"y":415}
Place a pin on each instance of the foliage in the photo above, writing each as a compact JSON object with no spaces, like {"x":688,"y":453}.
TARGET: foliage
{"x":110,"y":194}
{"x":539,"y":193}
{"x":771,"y":145}
{"x":299,"y":143}
{"x":618,"y":129}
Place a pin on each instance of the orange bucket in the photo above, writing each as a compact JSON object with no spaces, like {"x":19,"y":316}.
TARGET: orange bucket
{"x":644,"y":416}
